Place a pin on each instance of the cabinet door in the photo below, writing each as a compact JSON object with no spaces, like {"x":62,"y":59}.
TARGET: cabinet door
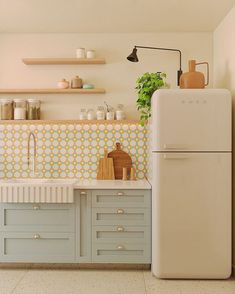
{"x":83,"y":225}
{"x":121,"y":198}
{"x":33,"y":217}
{"x":36,"y":247}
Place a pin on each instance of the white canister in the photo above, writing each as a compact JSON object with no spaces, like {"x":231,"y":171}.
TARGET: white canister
{"x":90,"y":54}
{"x":110,"y":115}
{"x":80,"y":52}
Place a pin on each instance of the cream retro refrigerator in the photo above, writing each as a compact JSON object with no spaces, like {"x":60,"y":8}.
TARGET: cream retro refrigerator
{"x":191,"y":200}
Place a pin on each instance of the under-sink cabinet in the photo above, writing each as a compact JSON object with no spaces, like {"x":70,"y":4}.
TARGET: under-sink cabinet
{"x":101,"y":226}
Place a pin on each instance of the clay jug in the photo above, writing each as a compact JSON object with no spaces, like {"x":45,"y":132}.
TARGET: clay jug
{"x":76,"y":83}
{"x":194,"y":79}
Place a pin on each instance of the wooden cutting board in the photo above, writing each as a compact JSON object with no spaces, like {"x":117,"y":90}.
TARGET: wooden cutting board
{"x":105,"y":168}
{"x":120,"y":159}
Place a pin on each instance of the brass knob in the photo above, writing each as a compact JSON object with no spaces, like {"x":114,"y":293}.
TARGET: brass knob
{"x":120,"y":229}
{"x":83,"y":193}
{"x":120,"y":193}
{"x":36,"y":207}
{"x":120,"y":211}
{"x":120,"y":247}
{"x":36,"y":236}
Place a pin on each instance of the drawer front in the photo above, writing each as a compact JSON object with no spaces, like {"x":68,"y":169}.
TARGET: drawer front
{"x":37,"y":247}
{"x":125,"y":198}
{"x":121,"y":253}
{"x":121,"y":233}
{"x":121,"y":216}
{"x":42,"y":217}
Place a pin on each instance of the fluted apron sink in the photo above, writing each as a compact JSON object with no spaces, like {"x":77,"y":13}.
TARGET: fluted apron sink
{"x":37,"y":191}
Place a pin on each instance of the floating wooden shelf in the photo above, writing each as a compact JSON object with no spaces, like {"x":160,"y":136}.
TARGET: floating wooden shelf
{"x":52,"y":91}
{"x":70,"y":121}
{"x":59,"y":61}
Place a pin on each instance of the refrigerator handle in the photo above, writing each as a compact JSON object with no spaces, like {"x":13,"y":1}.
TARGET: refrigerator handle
{"x":176,"y":156}
{"x":175,"y":146}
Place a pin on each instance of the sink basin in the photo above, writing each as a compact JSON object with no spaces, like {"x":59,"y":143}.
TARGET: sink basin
{"x":38,"y":181}
{"x":37,"y":190}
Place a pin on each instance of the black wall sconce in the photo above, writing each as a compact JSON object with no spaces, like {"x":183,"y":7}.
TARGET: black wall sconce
{"x":134,"y":58}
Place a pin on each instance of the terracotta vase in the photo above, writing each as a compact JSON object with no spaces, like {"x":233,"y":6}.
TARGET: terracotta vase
{"x":194,"y":79}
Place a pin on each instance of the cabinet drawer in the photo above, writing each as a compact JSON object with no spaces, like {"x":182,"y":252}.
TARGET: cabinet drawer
{"x":37,"y":247}
{"x":121,"y":216}
{"x":121,"y":253}
{"x":121,"y":233}
{"x":125,"y":198}
{"x":42,"y":217}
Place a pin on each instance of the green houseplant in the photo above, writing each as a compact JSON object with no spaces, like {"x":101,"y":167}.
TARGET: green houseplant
{"x":146,"y":85}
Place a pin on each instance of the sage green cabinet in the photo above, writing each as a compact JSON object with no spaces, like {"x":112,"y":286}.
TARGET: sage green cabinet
{"x":121,"y":226}
{"x":101,"y":226}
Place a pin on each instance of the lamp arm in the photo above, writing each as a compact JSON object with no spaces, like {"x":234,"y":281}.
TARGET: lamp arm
{"x":166,"y":49}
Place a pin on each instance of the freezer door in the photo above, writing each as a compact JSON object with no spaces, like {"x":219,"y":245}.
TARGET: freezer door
{"x":194,"y":120}
{"x":191,"y":215}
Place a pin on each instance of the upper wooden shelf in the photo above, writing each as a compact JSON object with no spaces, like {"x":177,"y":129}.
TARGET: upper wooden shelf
{"x":53,"y":91}
{"x":58,"y":61}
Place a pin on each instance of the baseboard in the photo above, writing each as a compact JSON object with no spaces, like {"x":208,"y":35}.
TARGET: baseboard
{"x":104,"y":266}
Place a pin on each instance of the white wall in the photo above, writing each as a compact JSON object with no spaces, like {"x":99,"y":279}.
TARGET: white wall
{"x":118,"y":76}
{"x":224,"y":71}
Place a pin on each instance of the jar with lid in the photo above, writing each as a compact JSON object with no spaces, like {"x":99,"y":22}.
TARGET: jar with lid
{"x":90,"y":54}
{"x":83,"y":114}
{"x":90,"y":114}
{"x":120,"y":114}
{"x":110,"y":114}
{"x":19,"y":109}
{"x":100,"y":113}
{"x":6,"y":109}
{"x":33,"y":109}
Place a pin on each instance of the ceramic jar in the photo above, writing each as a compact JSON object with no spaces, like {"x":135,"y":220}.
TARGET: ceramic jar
{"x":63,"y":84}
{"x":90,"y":54}
{"x":76,"y":83}
{"x":80,"y":53}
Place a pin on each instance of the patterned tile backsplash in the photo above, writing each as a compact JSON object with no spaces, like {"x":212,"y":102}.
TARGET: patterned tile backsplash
{"x":68,"y":150}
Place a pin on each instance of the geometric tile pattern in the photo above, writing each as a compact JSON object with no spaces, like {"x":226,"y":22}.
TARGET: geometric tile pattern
{"x":69,"y":150}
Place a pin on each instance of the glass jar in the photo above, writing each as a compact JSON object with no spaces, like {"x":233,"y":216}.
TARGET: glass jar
{"x":100,"y":113}
{"x":120,"y":114}
{"x":33,"y":109}
{"x":19,"y":108}
{"x":6,"y":109}
{"x":90,"y":114}
{"x":83,"y":114}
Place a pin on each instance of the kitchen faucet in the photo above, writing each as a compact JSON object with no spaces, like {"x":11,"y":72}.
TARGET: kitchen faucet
{"x":34,"y":153}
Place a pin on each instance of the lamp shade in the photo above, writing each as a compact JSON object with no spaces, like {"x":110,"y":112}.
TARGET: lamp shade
{"x":133,"y":56}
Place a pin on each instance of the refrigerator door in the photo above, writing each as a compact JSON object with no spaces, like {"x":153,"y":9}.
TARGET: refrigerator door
{"x":191,"y":120}
{"x":191,"y":215}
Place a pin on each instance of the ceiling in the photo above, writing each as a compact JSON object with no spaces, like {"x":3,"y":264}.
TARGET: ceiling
{"x":111,"y":16}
